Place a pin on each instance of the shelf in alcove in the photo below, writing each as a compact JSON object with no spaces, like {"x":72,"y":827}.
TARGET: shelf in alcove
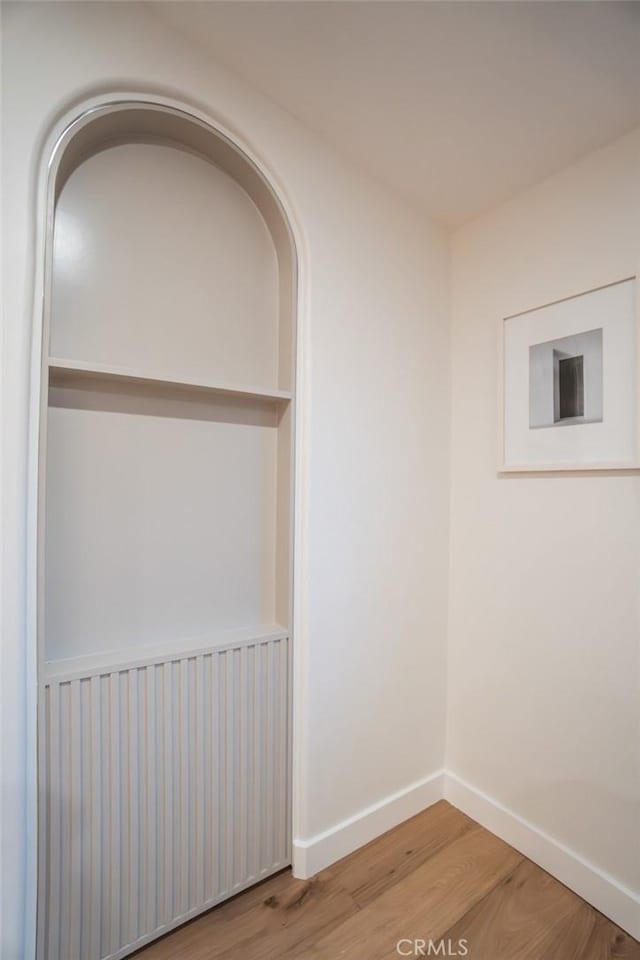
{"x":93,"y":386}
{"x":66,"y":372}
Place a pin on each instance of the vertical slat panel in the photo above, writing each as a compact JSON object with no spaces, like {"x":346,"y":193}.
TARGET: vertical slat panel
{"x":227,"y":707}
{"x":95,"y":874}
{"x":217,"y":773}
{"x":256,"y":699}
{"x":52,"y":793}
{"x":271,"y":733}
{"x":288,"y":813}
{"x":153,"y":828}
{"x":210,"y":857}
{"x":265,"y":837}
{"x":44,"y":778}
{"x":163,"y":791}
{"x":66,"y":820}
{"x":281,"y":747}
{"x":105,"y":825}
{"x":241,"y":872}
{"x":84,"y":818}
{"x":167,"y":786}
{"x":198,"y":722}
{"x":278,"y":750}
{"x":114,"y":811}
{"x":124,"y":748}
{"x":186,"y":789}
{"x":134,"y":798}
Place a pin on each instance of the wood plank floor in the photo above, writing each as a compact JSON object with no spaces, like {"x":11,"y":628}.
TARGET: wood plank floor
{"x":437,"y":877}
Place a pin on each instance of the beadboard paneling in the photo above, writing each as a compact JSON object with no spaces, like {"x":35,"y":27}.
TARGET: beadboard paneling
{"x":164,"y":790}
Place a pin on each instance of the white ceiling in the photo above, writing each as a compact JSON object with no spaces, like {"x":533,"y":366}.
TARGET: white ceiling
{"x":457,"y":105}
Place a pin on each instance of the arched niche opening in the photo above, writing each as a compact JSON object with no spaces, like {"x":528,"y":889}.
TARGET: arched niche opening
{"x":165,"y":529}
{"x":201,"y":220}
{"x":172,"y":295}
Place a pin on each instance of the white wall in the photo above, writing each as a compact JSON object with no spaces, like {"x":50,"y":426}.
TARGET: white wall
{"x":372,"y":578}
{"x":543,"y":705}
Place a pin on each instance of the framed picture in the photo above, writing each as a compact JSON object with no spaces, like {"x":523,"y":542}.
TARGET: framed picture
{"x":570,"y":385}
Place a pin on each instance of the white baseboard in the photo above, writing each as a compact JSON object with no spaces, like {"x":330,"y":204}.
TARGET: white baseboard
{"x":594,"y":885}
{"x":312,"y":855}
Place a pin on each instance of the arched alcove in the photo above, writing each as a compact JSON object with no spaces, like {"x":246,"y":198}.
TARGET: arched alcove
{"x":165,"y":530}
{"x":163,"y":263}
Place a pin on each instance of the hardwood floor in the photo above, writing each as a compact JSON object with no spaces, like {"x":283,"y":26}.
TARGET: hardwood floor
{"x":437,"y":877}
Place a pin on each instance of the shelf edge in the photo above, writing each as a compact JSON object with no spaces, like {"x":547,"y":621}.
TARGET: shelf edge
{"x":78,"y":368}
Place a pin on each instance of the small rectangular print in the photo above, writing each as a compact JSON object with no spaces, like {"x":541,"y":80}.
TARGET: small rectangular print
{"x":565,"y":381}
{"x":570,"y":383}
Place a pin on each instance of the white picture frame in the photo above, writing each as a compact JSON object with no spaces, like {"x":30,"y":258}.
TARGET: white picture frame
{"x":569,"y":383}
